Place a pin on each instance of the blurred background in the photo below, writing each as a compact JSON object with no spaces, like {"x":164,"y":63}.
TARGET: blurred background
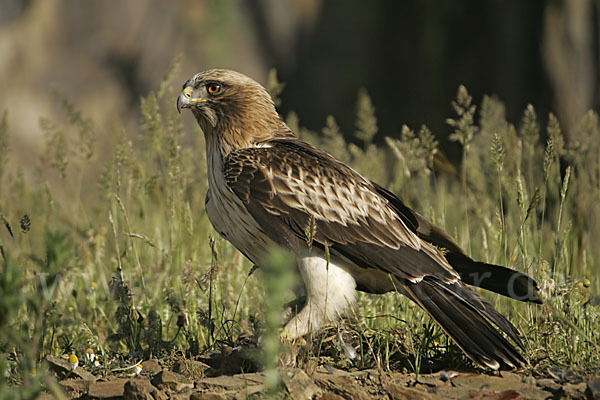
{"x":410,"y":56}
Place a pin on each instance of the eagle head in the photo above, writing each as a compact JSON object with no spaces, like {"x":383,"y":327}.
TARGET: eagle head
{"x":230,"y":107}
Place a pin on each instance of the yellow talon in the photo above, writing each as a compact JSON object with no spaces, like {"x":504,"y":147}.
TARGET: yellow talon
{"x":284,"y":336}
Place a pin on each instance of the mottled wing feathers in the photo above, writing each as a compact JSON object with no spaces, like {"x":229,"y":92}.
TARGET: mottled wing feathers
{"x":291,"y":182}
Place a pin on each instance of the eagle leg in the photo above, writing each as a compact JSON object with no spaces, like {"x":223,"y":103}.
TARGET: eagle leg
{"x":330,"y":290}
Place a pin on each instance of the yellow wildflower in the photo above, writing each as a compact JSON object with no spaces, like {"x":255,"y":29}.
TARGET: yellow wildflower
{"x":89,"y":354}
{"x":586,"y":283}
{"x":73,"y":361}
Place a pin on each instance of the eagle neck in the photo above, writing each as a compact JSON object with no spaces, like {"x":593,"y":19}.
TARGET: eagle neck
{"x":215,"y":155}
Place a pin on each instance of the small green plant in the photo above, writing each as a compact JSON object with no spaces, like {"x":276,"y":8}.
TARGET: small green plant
{"x":278,"y":280}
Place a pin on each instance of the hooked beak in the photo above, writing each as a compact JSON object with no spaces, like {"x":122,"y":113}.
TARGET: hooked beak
{"x":185,"y":99}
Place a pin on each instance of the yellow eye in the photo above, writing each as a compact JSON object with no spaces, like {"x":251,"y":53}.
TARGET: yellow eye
{"x":213,"y":88}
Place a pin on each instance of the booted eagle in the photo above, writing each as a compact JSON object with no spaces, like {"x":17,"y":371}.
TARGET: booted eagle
{"x":266,"y":187}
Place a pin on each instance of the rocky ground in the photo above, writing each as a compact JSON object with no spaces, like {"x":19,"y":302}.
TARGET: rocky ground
{"x":189,"y":380}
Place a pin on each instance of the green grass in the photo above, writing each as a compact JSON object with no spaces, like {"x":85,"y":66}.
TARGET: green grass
{"x":115,"y":252}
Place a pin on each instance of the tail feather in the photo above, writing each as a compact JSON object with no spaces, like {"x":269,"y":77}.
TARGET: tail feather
{"x":465,"y":295}
{"x":498,"y":279}
{"x":470,"y":321}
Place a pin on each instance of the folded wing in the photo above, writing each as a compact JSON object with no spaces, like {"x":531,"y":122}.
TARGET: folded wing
{"x":300,"y":195}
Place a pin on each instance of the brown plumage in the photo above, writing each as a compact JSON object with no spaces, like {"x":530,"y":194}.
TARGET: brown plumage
{"x":266,"y":187}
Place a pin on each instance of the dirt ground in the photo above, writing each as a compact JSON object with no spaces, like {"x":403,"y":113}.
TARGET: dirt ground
{"x":196,"y":380}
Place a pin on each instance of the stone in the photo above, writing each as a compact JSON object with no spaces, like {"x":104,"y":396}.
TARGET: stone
{"x":530,"y":380}
{"x":191,"y":368}
{"x":171,"y":381}
{"x":74,"y":387}
{"x":533,"y":393}
{"x":506,"y":395}
{"x":428,"y":380}
{"x":326,"y":384}
{"x":229,"y":383}
{"x":207,"y":396}
{"x":330,"y":396}
{"x":299,"y":385}
{"x":62,"y":368}
{"x":107,"y":390}
{"x":510,"y":375}
{"x":593,"y":388}
{"x":451,"y":390}
{"x":575,"y":390}
{"x":151,"y":367}
{"x":506,"y":386}
{"x":397,"y":392}
{"x":250,"y":392}
{"x":477,"y":382}
{"x":185,"y":394}
{"x":564,"y":375}
{"x":549,"y":384}
{"x":141,"y":389}
{"x":341,"y":384}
